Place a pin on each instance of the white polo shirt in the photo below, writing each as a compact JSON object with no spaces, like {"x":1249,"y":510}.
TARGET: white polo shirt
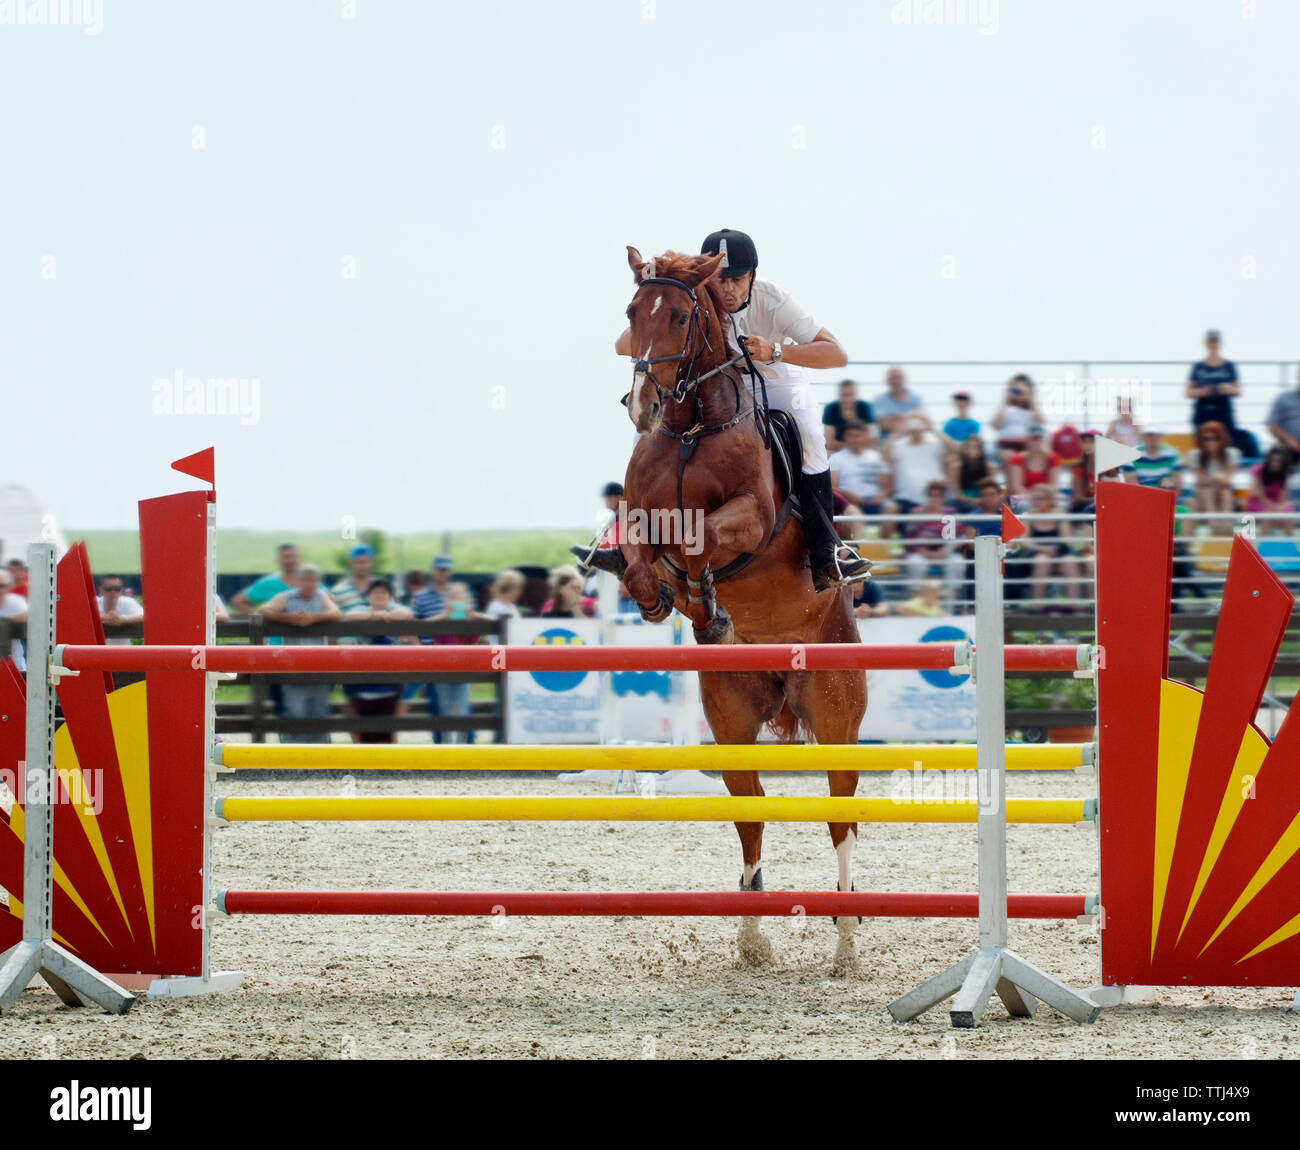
{"x":128,"y":608}
{"x":777,"y":316}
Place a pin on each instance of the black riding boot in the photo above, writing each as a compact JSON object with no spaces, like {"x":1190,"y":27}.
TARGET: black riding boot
{"x":819,"y":529}
{"x":602,"y":558}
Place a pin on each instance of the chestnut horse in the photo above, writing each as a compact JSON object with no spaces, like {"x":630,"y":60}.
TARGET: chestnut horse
{"x":702,"y":453}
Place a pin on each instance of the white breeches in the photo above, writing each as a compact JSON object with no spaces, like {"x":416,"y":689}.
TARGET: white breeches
{"x":797,"y":398}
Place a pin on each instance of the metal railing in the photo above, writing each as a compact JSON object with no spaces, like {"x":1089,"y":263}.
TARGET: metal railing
{"x":1076,"y":391}
{"x":1200,"y":561}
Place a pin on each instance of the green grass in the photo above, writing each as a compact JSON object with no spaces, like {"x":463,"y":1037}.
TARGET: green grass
{"x":249,"y":551}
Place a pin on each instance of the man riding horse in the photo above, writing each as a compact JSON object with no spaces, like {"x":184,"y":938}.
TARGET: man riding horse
{"x":761,"y":317}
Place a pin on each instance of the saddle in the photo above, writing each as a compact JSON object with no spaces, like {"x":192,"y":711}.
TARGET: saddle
{"x":787,"y":462}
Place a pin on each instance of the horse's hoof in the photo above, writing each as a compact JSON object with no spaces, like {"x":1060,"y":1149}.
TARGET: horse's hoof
{"x":718,"y":629}
{"x":754,"y":946}
{"x":756,"y":883}
{"x":661,"y":610}
{"x":846,"y":958}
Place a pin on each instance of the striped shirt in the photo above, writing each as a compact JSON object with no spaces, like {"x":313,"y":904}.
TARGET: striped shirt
{"x":426,"y":605}
{"x":1151,"y":469}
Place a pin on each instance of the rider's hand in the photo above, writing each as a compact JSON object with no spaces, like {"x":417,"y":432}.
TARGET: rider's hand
{"x":759,"y":348}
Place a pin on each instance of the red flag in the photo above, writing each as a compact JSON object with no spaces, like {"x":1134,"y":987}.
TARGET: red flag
{"x":1012,"y":528}
{"x":201,"y":466}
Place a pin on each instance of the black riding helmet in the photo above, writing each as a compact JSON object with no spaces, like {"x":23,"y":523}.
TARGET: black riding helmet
{"x":740,"y":254}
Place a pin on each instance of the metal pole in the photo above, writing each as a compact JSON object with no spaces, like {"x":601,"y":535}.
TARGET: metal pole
{"x":994,"y":967}
{"x":72,"y":980}
{"x":990,"y":745}
{"x":38,"y":839}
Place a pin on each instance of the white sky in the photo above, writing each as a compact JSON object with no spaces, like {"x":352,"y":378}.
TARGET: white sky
{"x":465,"y":376}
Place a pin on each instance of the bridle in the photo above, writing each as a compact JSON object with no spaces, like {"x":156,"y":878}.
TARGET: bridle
{"x":684,"y":382}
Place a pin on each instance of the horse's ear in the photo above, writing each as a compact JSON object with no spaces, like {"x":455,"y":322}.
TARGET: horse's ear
{"x":701,"y":269}
{"x":636,"y":263}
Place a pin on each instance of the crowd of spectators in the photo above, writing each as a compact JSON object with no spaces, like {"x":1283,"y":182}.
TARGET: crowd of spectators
{"x":890,"y":457}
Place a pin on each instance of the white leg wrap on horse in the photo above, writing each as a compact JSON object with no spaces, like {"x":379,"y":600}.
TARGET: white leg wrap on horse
{"x":844,"y":857}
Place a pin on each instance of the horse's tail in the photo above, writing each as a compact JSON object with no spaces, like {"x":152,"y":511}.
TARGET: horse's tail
{"x":787,"y":726}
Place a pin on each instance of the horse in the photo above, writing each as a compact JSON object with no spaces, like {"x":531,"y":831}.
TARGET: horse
{"x":702,"y":454}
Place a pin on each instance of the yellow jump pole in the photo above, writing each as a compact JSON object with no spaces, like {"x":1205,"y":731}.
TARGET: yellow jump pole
{"x":666,"y":808}
{"x":492,"y":757}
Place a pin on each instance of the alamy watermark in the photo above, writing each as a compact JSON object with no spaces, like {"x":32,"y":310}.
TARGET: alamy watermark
{"x":88,"y":15}
{"x":1075,"y":399}
{"x":981,"y":14}
{"x":661,"y":526}
{"x":182,"y":395}
{"x":80,"y":788}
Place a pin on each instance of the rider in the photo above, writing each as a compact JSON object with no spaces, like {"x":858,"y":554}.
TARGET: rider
{"x":763,"y":316}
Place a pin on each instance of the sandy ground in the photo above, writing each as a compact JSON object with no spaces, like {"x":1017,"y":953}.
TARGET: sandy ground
{"x":628,"y":988}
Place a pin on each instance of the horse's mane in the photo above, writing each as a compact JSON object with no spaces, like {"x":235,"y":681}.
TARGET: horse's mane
{"x":671,"y":265}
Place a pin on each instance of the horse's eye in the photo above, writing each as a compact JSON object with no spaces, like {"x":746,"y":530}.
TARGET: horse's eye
{"x":681,"y":321}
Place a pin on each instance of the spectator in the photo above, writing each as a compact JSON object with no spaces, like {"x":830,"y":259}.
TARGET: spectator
{"x":1017,"y":413}
{"x":1068,"y":444}
{"x":1044,"y":552}
{"x":989,"y":501}
{"x":567,"y":600}
{"x":893,"y":406}
{"x":1269,"y":494}
{"x":1122,"y":429}
{"x":1212,"y":383}
{"x":503,"y":596}
{"x":961,"y":427}
{"x":251,"y":598}
{"x":429,"y":604}
{"x":116,"y":607}
{"x":413,"y":582}
{"x":610,"y":537}
{"x":18,"y":577}
{"x":1213,"y":463}
{"x":377,"y":700}
{"x":927,"y":602}
{"x":968,"y":467}
{"x":1156,"y":464}
{"x":917,"y":456}
{"x":453,"y":698}
{"x":219,"y":612}
{"x":1083,"y":476}
{"x":1027,"y":469}
{"x":841,"y":412}
{"x":353,"y":590}
{"x":860,"y":474}
{"x":612,"y":495}
{"x":13,"y":607}
{"x":931,"y":524}
{"x":302,"y":606}
{"x":1283,"y":421}
{"x":868,"y":600}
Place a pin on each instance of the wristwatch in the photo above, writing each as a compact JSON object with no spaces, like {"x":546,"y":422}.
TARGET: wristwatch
{"x":776,"y":353}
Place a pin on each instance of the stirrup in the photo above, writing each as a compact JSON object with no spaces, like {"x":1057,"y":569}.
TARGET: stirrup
{"x":841,"y":572}
{"x":853,"y":568}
